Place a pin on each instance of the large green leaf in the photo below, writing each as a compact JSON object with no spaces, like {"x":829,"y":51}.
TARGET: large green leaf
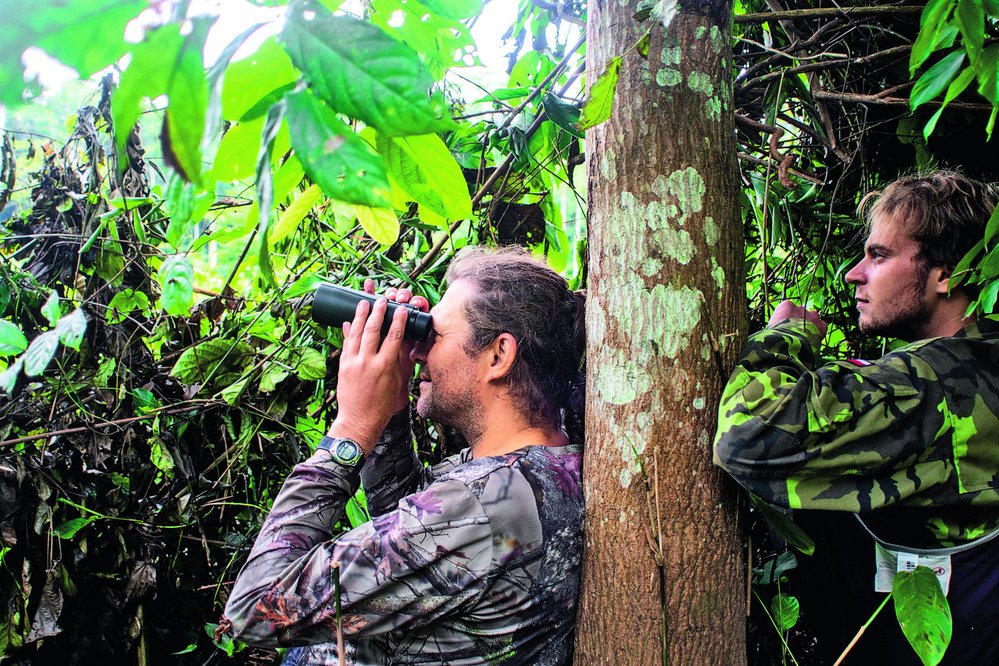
{"x":237,"y":153}
{"x":334,"y":156}
{"x":923,"y":613}
{"x":12,"y":340}
{"x":295,"y":213}
{"x":970,"y":20}
{"x":932,"y":24}
{"x":220,"y":361}
{"x":125,"y":302}
{"x":784,"y":526}
{"x":362,"y":72}
{"x":379,"y":223}
{"x":72,"y":328}
{"x":784,"y":609}
{"x":184,"y":121}
{"x":956,"y":87}
{"x":601,"y":102}
{"x":176,"y":278}
{"x":986,"y":70}
{"x":454,"y":9}
{"x":249,"y":80}
{"x":40,"y":352}
{"x":935,"y":79}
{"x":87,"y":35}
{"x":425,"y":169}
{"x":145,"y":76}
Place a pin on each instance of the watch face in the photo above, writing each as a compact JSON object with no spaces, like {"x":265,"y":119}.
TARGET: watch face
{"x":347,"y":451}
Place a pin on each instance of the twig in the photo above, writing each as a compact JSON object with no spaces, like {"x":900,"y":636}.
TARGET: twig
{"x":159,"y":411}
{"x":895,"y":101}
{"x":824,"y":12}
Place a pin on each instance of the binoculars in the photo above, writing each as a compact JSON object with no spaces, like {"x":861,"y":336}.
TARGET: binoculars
{"x":333,"y":305}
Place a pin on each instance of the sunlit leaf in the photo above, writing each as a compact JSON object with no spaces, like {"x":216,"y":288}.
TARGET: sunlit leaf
{"x":333,"y":155}
{"x":249,"y":80}
{"x":310,"y":364}
{"x":176,"y":279}
{"x":970,"y":20}
{"x":425,"y":169}
{"x":125,"y":302}
{"x":51,"y":309}
{"x":295,"y":213}
{"x":454,"y":9}
{"x":932,"y":23}
{"x":923,"y":613}
{"x":68,"y":529}
{"x":601,"y":101}
{"x":72,"y":328}
{"x":784,"y":609}
{"x":237,"y":153}
{"x":379,"y":223}
{"x":935,"y":79}
{"x":362,"y":72}
{"x":212,"y":359}
{"x":160,"y":457}
{"x":956,"y":87}
{"x":12,"y":340}
{"x":9,"y":376}
{"x":40,"y":353}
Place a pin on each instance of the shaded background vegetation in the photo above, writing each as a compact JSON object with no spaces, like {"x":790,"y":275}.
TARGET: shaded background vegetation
{"x":161,"y":368}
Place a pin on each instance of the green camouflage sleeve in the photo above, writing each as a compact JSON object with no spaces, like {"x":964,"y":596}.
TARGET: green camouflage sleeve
{"x":846,"y":435}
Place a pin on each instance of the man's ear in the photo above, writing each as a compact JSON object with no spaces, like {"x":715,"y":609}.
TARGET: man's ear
{"x":500,"y":356}
{"x":941,"y":279}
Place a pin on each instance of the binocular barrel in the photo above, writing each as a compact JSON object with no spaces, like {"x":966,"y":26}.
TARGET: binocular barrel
{"x":333,"y":305}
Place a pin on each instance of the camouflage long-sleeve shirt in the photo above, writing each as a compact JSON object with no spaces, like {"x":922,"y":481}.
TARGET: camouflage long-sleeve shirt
{"x":472,"y":561}
{"x":915,"y":433}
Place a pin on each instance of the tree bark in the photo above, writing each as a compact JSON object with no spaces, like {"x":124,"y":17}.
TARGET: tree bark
{"x":663,"y":579}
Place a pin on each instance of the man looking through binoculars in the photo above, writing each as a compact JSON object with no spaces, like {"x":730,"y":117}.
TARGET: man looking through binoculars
{"x":474,"y":559}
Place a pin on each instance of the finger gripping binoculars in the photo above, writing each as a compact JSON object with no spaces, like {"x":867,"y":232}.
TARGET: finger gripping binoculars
{"x":332,"y":305}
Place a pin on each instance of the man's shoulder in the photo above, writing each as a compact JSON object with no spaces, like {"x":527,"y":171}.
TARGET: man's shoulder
{"x":527,"y":464}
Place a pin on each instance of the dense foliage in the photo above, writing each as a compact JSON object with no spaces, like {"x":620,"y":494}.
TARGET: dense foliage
{"x":156,"y":344}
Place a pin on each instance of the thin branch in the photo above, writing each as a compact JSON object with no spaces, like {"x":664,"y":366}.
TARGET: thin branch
{"x":859,"y":98}
{"x":825,"y":12}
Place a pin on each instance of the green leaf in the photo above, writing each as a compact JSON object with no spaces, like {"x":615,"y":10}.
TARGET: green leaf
{"x":237,"y":153}
{"x":784,"y":609}
{"x":923,"y":613}
{"x":987,"y":70}
{"x":956,"y":87}
{"x":992,"y":227}
{"x":295,"y":213}
{"x":784,"y":526}
{"x":144,"y":401}
{"x":160,"y":456}
{"x":68,"y":529}
{"x":426,"y":170}
{"x":232,"y":393}
{"x":87,"y":35}
{"x":72,"y":328}
{"x":970,"y":20}
{"x":935,"y":79}
{"x":361,"y":71}
{"x":184,"y":120}
{"x":40,"y":353}
{"x":355,"y":514}
{"x":217,"y":360}
{"x":379,"y":223}
{"x":12,"y":340}
{"x":9,"y":376}
{"x":338,"y":160}
{"x":51,"y":309}
{"x":454,"y":9}
{"x":598,"y":107}
{"x":989,"y":268}
{"x":274,"y":373}
{"x":310,"y":365}
{"x":176,"y":279}
{"x":251,"y":79}
{"x":125,"y":302}
{"x":145,"y":77}
{"x":932,"y":23}
{"x":563,"y":115}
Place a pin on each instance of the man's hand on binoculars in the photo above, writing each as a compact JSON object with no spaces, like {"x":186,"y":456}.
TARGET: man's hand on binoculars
{"x":373,"y":382}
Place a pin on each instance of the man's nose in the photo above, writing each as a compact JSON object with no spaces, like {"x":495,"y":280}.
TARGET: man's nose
{"x":418,"y":354}
{"x":856,"y":274}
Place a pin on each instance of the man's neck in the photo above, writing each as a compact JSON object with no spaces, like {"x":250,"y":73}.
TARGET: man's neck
{"x":504,"y":429}
{"x":948,"y":320}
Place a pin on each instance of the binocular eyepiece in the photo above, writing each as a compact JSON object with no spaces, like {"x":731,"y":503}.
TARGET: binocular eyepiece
{"x":333,"y":305}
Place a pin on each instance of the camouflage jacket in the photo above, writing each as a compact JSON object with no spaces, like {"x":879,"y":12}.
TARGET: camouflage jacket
{"x":469,"y":562}
{"x":914,"y":434}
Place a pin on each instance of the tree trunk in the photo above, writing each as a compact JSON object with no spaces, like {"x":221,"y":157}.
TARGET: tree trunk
{"x":663,"y":576}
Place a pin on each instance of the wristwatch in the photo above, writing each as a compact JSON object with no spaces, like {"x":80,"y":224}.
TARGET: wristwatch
{"x":344,"y":451}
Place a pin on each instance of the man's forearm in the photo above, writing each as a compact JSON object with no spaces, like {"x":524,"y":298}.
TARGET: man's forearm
{"x":392,"y":471}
